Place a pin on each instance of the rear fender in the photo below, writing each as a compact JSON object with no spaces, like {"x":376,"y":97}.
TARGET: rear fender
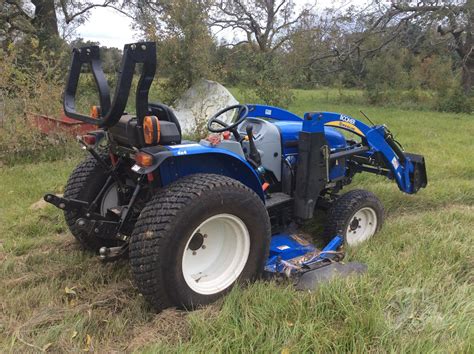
{"x":176,"y":161}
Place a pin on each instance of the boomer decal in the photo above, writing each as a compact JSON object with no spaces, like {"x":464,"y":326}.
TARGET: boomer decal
{"x":346,"y":123}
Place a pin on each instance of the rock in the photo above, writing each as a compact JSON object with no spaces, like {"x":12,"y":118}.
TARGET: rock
{"x":200,"y":102}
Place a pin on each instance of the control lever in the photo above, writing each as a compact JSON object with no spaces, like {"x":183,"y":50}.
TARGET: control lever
{"x":254,"y":156}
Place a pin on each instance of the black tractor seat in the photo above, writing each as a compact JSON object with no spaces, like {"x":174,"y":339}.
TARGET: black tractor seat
{"x":126,"y":132}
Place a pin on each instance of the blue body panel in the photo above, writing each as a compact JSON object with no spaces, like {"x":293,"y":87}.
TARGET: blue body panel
{"x":290,"y":132}
{"x":189,"y":159}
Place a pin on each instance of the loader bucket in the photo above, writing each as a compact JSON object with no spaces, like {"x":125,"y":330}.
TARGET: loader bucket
{"x":418,"y":177}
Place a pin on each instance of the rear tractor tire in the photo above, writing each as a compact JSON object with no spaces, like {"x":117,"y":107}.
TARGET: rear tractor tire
{"x":197,"y":238}
{"x":356,"y":216}
{"x":85,"y":183}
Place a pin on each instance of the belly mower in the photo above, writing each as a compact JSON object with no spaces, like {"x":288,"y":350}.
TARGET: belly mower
{"x":197,"y":217}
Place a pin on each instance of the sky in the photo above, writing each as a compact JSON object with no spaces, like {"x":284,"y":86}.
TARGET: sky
{"x":113,"y":29}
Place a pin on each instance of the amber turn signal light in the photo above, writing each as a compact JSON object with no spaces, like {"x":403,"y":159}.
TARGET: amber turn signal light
{"x":151,"y":130}
{"x":95,"y":112}
{"x":143,"y":159}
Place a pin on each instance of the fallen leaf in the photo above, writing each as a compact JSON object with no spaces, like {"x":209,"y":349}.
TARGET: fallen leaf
{"x":88,"y":343}
{"x":285,"y":351}
{"x":74,"y":335}
{"x":70,"y":291}
{"x":46,"y":346}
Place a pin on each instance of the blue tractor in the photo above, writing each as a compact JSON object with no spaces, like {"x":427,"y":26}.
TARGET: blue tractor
{"x":194,"y":218}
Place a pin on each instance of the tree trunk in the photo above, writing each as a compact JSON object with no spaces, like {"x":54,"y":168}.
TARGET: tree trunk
{"x":467,"y":78}
{"x":467,"y":75}
{"x":45,"y":21}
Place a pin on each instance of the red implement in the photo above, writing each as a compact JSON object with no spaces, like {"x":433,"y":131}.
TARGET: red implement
{"x":50,"y":125}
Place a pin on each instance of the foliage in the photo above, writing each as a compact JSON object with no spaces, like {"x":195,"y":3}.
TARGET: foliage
{"x":398,"y":76}
{"x":184,"y":43}
{"x":394,"y":53}
{"x":454,"y":100}
{"x":24,"y":91}
{"x":267,"y":79}
{"x":110,"y":57}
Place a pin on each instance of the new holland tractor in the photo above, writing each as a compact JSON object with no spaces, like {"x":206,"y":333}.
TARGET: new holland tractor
{"x":194,"y":218}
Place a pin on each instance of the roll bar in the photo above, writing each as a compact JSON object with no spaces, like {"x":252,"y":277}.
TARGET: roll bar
{"x":110,"y":114}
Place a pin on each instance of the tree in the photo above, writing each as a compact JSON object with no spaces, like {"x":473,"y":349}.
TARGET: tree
{"x":183,"y":39}
{"x":42,"y":18}
{"x":266,"y":24}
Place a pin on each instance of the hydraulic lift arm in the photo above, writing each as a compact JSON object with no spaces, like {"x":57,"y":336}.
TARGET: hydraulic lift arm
{"x":408,"y":170}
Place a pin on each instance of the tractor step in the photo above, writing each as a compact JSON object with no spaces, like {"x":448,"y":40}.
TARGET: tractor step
{"x":275,"y":199}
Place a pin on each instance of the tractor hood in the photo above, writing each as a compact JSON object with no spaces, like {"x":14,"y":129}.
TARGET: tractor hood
{"x":290,"y":130}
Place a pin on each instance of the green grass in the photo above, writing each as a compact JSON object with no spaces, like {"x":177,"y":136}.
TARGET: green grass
{"x":417,"y":295}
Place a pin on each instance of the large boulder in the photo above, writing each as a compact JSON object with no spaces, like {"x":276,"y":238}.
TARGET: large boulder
{"x":199,"y":103}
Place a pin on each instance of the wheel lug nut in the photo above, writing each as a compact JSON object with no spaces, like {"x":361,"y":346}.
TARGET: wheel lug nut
{"x":194,"y":253}
{"x":203,"y":247}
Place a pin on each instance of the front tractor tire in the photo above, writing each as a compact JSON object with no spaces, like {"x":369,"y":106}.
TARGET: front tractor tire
{"x":356,"y":216}
{"x":197,"y":238}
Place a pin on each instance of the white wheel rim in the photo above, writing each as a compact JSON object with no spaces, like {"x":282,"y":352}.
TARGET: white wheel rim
{"x":362,"y":226}
{"x":110,"y":199}
{"x":214,"y":265}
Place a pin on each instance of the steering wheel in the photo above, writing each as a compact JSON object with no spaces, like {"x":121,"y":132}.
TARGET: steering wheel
{"x":243,"y":112}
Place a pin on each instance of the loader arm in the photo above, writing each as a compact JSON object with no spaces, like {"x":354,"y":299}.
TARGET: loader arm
{"x":407,"y":169}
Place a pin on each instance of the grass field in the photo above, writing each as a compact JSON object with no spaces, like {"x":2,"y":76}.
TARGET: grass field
{"x":418,"y":295}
